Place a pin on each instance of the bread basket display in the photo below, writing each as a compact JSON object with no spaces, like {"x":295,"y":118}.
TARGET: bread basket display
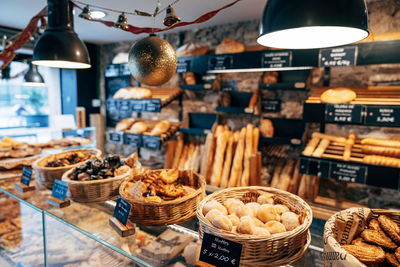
{"x":162,"y":197}
{"x":270,"y":244}
{"x":99,"y":180}
{"x":52,"y":167}
{"x":362,"y":237}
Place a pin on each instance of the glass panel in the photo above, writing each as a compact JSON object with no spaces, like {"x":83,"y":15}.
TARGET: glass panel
{"x":21,"y":234}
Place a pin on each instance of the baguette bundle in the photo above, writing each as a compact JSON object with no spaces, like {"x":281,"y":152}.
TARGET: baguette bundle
{"x":187,"y":156}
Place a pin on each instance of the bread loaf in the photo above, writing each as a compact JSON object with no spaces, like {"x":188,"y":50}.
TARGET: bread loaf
{"x":381,"y":142}
{"x":312,"y":144}
{"x":277,"y":174}
{"x":348,"y":145}
{"x":287,"y":174}
{"x":160,"y":128}
{"x":208,"y":155}
{"x":254,"y":98}
{"x":222,"y":140}
{"x":183,"y":158}
{"x":321,"y":148}
{"x":380,"y":150}
{"x":187,"y":165}
{"x":237,"y":167}
{"x":248,"y":151}
{"x":178,"y":152}
{"x":382,"y":160}
{"x":256,"y":138}
{"x":138,"y":128}
{"x":195,"y":164}
{"x":124,"y":124}
{"x":192,"y":49}
{"x":270,"y":77}
{"x":228,"y":46}
{"x":266,"y":128}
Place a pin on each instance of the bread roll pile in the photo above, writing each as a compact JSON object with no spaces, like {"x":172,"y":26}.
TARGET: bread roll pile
{"x":261,"y":218}
{"x":134,"y":126}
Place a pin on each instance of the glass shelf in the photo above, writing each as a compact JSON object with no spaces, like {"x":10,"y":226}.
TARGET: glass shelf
{"x":87,"y":237}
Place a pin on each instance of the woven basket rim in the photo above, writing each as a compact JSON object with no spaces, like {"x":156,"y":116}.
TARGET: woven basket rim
{"x":35,"y":164}
{"x":69,"y":181}
{"x":162,"y":203}
{"x":254,"y":238}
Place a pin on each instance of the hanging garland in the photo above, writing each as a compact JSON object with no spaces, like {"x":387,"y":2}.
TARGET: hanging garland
{"x":8,"y":53}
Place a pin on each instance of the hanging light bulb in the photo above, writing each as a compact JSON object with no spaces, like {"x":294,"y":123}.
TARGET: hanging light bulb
{"x":171,"y":18}
{"x":122,"y":22}
{"x":59,"y":46}
{"x":43,"y":23}
{"x":85,"y":14}
{"x":33,"y":77}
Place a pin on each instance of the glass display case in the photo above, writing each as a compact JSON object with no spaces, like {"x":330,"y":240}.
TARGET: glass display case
{"x":33,"y":232}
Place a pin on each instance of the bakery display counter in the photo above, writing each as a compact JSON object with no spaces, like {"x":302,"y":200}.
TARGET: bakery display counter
{"x":80,"y":235}
{"x":373,"y":106}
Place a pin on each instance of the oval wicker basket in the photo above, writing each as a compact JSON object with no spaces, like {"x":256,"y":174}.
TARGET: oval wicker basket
{"x":275,"y":250}
{"x":93,"y":191}
{"x":166,"y":212}
{"x":46,"y":175}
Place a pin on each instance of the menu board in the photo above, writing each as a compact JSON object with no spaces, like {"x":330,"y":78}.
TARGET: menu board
{"x":340,"y":56}
{"x":277,"y":59}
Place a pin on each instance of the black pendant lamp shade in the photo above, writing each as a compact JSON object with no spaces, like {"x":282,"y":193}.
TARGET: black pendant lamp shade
{"x":33,"y":77}
{"x":60,"y":46}
{"x":301,"y":24}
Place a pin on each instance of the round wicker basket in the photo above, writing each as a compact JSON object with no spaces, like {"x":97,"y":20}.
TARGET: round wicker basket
{"x":166,"y":212}
{"x":275,"y":250}
{"x":93,"y":191}
{"x":46,"y":175}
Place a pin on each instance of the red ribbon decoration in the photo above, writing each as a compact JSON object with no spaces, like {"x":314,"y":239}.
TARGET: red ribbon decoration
{"x":137,"y":30}
{"x":8,"y":54}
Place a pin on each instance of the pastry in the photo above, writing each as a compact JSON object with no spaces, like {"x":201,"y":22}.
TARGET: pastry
{"x":397,"y":253}
{"x":267,"y":212}
{"x":266,"y":128}
{"x":228,"y":46}
{"x":257,"y":222}
{"x":280,"y":209}
{"x":246,"y":225}
{"x":378,"y":238}
{"x":253,"y":208}
{"x":338,"y":96}
{"x":189,"y":78}
{"x":290,"y":220}
{"x":192,"y":49}
{"x":261,"y":231}
{"x":243,"y":210}
{"x":213,"y":204}
{"x":69,"y":159}
{"x":222,"y":222}
{"x":390,"y":228}
{"x":275,"y":227}
{"x":270,"y":77}
{"x":124,"y":124}
{"x":368,"y":254}
{"x":138,"y":128}
{"x":234,"y":219}
{"x":212,"y":214}
{"x":391,"y":259}
{"x":231,"y":204}
{"x":265,"y":199}
{"x":160,"y":128}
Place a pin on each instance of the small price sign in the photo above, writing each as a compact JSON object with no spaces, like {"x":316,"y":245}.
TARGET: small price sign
{"x":341,"y":56}
{"x":383,"y":116}
{"x":26,"y":176}
{"x":343,"y":113}
{"x":151,"y":142}
{"x":218,"y":251}
{"x":115,"y":137}
{"x":348,"y":173}
{"x":277,"y":59}
{"x":132,"y":139}
{"x":122,"y":210}
{"x":183,"y":65}
{"x":222,"y":62}
{"x":273,"y":105}
{"x":153,"y":105}
{"x":60,"y":190}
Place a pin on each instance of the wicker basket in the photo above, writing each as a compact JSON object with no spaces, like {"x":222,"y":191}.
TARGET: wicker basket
{"x":275,"y":250}
{"x":166,"y":212}
{"x":93,"y":191}
{"x":46,"y":175}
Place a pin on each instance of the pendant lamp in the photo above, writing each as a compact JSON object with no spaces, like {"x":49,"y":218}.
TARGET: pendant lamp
{"x":60,"y":46}
{"x":33,"y":77}
{"x":295,"y":24}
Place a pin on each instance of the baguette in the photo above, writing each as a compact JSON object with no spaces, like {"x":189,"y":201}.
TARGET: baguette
{"x":334,"y":138}
{"x":287,"y":175}
{"x":160,"y":128}
{"x":207,"y":155}
{"x":381,"y":142}
{"x":188,"y":162}
{"x":294,"y":182}
{"x":228,"y":162}
{"x":183,"y":158}
{"x":256,"y":137}
{"x":380,"y":150}
{"x":222,"y":140}
{"x":319,"y":151}
{"x":312,"y":144}
{"x":236,"y":171}
{"x":178,"y":152}
{"x":303,"y":186}
{"x":347,"y":147}
{"x":195,"y":164}
{"x":277,"y":174}
{"x":248,"y":152}
{"x":254,"y":98}
{"x":382,"y":160}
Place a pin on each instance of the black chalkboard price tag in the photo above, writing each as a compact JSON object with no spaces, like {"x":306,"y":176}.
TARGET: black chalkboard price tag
{"x":277,"y":59}
{"x":132,"y":139}
{"x":343,"y":113}
{"x":125,"y":110}
{"x":183,"y":65}
{"x":119,"y":222}
{"x":24,"y":184}
{"x":340,"y":56}
{"x":348,"y":173}
{"x":271,"y":105}
{"x":58,"y":196}
{"x":222,"y":62}
{"x":115,"y":137}
{"x":218,"y":251}
{"x":383,"y":115}
{"x":151,"y":142}
{"x":138,"y":105}
{"x":153,"y":105}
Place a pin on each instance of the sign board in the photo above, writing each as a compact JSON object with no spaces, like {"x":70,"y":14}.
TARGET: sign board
{"x":220,"y":62}
{"x":382,"y":115}
{"x":218,"y":251}
{"x":348,"y":173}
{"x":271,"y":105}
{"x":60,"y":190}
{"x":183,"y":65}
{"x":340,"y":56}
{"x":122,"y":210}
{"x":343,"y":113}
{"x":277,"y":59}
{"x":26,"y":176}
